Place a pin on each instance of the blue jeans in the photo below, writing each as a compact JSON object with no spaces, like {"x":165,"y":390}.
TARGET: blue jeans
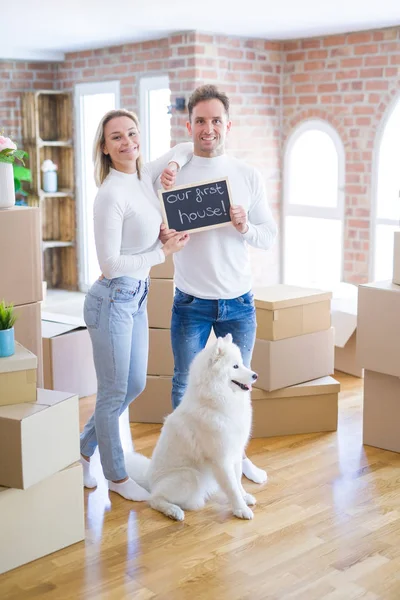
{"x":115,"y":313}
{"x":192,"y":321}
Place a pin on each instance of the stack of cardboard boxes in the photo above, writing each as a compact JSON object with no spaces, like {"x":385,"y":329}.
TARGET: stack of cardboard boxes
{"x":41,"y":484}
{"x":378,"y":351}
{"x":294,"y":358}
{"x":155,"y":402}
{"x":21,"y":275}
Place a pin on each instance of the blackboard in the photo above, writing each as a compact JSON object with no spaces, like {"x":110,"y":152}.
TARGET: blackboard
{"x":197,"y":206}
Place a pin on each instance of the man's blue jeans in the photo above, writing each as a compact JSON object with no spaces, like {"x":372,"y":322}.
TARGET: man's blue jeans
{"x":192,"y":321}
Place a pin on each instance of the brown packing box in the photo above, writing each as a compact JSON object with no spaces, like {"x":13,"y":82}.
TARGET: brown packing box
{"x":164,"y":270}
{"x":28,"y":332}
{"x":381,"y":416}
{"x":344,"y":322}
{"x":161,"y":359}
{"x":294,"y":360}
{"x":20,"y":241}
{"x":378,"y":327}
{"x":306,"y":408}
{"x":42,"y":519}
{"x":159,"y":304}
{"x":396,"y":258}
{"x":154,"y":404}
{"x":67,"y":355}
{"x":17,"y":378}
{"x":38,"y":439}
{"x":346,"y":358}
{"x":285,"y":311}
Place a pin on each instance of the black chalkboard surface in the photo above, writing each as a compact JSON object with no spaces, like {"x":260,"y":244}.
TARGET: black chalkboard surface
{"x":197,"y":206}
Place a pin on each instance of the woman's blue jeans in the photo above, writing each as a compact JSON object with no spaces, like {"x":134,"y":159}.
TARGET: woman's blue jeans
{"x":115,"y":313}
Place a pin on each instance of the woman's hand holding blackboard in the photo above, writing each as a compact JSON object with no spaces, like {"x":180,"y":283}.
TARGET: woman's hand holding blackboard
{"x":165,"y":233}
{"x":239,"y":218}
{"x":175,"y":243}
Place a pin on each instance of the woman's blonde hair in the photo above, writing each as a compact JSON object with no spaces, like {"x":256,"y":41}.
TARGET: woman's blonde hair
{"x":102,"y":162}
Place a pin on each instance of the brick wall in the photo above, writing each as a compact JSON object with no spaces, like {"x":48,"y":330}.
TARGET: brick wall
{"x":350,"y":81}
{"x":17,"y":77}
{"x":249,"y":71}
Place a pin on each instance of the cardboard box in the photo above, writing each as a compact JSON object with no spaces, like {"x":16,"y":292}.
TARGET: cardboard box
{"x":159,"y":303}
{"x":294,"y":360}
{"x":285,"y":311}
{"x":378,"y":328}
{"x":306,"y":408}
{"x":67,"y":355}
{"x":42,"y":519}
{"x":20,"y":241}
{"x":381,"y":415}
{"x":346,"y":358}
{"x":28,"y":332}
{"x":344,"y":322}
{"x":161,"y":359}
{"x":154,"y":404}
{"x":18,"y":378}
{"x":164,"y":270}
{"x":38,"y":439}
{"x":396,"y":258}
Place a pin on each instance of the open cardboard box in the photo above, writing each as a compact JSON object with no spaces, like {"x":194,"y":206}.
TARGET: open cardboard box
{"x":344,"y":321}
{"x":67,"y":355}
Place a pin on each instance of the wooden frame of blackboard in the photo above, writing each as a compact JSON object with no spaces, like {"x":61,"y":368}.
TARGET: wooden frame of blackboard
{"x":193,"y":185}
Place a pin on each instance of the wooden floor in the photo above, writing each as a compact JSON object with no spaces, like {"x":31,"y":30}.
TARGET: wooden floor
{"x":326,"y":526}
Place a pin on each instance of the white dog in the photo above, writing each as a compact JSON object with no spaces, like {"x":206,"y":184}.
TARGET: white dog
{"x":201,"y":445}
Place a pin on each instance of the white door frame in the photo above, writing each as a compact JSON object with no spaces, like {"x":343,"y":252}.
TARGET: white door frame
{"x":85,"y":89}
{"x":147,"y":84}
{"x":312,"y":211}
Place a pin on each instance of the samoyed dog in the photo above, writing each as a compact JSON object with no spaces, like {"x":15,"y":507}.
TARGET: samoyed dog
{"x":201,"y":445}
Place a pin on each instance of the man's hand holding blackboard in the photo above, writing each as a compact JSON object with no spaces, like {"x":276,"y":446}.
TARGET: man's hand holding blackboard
{"x":239,"y":218}
{"x":176,"y":242}
{"x":168,"y":176}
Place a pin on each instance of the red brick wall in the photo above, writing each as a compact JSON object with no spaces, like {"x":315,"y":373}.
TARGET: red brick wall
{"x":248,"y":70}
{"x":17,"y":77}
{"x":348,"y":80}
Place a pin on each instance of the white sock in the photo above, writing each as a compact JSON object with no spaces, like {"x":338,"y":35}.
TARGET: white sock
{"x":130,"y":490}
{"x":252,"y":472}
{"x":88,"y":480}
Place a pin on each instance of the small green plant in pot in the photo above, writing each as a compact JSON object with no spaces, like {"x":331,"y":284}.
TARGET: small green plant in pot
{"x":7,"y":320}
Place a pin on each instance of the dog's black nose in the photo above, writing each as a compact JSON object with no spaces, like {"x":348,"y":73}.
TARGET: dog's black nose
{"x":255,"y":376}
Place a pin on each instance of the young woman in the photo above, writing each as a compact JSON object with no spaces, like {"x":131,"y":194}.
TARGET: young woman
{"x":127,"y":223}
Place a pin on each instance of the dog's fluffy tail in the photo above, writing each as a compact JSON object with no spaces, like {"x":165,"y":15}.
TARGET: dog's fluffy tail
{"x":137,"y":467}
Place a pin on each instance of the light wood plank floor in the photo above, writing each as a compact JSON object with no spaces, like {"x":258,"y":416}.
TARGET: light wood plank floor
{"x":326,"y":526}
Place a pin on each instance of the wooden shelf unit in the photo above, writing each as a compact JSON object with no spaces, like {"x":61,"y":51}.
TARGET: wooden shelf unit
{"x":48,"y":134}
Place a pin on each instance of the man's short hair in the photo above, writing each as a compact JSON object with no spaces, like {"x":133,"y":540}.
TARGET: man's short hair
{"x":207,"y":92}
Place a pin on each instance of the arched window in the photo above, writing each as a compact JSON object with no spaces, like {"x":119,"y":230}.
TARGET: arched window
{"x":313,"y":205}
{"x":386,"y":205}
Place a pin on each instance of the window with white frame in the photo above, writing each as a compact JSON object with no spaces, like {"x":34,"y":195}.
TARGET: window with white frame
{"x":313,"y":206}
{"x":155,"y":117}
{"x":386,"y":205}
{"x":92,"y":101}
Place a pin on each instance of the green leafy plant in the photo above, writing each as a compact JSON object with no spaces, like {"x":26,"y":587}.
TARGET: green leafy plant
{"x":9,"y":152}
{"x":7,"y":316}
{"x":21,"y":174}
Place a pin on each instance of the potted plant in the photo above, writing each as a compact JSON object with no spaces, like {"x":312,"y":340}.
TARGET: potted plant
{"x":21,"y":174}
{"x":7,"y":320}
{"x":8,"y":155}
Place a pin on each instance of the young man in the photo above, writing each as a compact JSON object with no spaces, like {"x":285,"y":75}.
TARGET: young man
{"x":213,"y":273}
